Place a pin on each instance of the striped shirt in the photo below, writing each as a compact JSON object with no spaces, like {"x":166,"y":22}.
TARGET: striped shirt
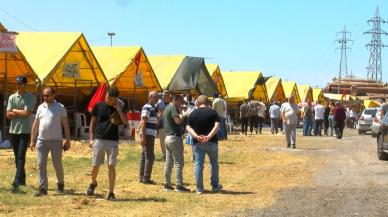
{"x":148,"y":113}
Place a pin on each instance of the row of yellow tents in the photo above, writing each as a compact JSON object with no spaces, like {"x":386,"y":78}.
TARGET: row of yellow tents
{"x":65,"y":60}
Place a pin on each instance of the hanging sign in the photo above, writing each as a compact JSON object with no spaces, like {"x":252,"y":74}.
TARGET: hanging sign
{"x":8,"y":42}
{"x":71,"y":70}
{"x":139,"y":79}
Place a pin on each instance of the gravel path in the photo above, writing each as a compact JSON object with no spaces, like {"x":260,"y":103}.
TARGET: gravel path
{"x":352,"y":182}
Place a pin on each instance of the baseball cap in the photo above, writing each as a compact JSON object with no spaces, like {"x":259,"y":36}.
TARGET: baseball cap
{"x":21,"y":80}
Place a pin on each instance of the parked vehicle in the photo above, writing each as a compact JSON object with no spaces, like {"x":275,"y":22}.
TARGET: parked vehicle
{"x":376,"y":123}
{"x":382,"y":139}
{"x":364,"y":123}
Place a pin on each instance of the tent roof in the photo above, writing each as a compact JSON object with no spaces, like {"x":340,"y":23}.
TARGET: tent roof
{"x":180,"y":73}
{"x":239,"y":84}
{"x":47,"y":52}
{"x":272,"y":84}
{"x":371,"y":103}
{"x":290,"y":88}
{"x":119,"y":62}
{"x":305,"y":91}
{"x":318,"y":94}
{"x":335,"y":96}
{"x":215,"y":72}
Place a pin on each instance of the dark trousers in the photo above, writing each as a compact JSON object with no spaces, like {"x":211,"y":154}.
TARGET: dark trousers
{"x":318,"y":127}
{"x":19,"y":145}
{"x":253,"y":122}
{"x":261,"y":121}
{"x":147,"y":159}
{"x":244,"y":125}
{"x":326,"y":125}
{"x":339,"y":128}
{"x":274,"y":125}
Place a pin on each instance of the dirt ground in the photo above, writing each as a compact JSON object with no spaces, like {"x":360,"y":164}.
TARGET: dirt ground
{"x":351,"y":182}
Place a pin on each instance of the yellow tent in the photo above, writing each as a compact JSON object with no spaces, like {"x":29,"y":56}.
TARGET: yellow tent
{"x":305,"y":92}
{"x":63,"y":60}
{"x":242,"y":85}
{"x":215,"y":72}
{"x":338,"y":97}
{"x":318,"y":95}
{"x":275,"y":89}
{"x":15,"y":64}
{"x":371,"y":103}
{"x":291,"y":89}
{"x":183,"y":73}
{"x":128,"y":69}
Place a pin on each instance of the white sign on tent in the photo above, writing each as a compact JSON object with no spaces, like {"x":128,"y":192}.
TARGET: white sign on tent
{"x":139,"y":79}
{"x":8,"y":42}
{"x":71,"y":70}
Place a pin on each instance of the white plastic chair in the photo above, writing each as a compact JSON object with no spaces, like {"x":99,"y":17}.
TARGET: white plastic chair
{"x":80,"y":126}
{"x":229,"y":124}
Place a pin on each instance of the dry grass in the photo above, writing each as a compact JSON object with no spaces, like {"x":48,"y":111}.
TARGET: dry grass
{"x":253,"y":169}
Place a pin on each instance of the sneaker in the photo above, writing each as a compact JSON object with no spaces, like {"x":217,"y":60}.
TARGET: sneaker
{"x":294,"y":146}
{"x":111,"y":197}
{"x":41,"y":192}
{"x":181,"y":188}
{"x":90,"y":191}
{"x":199,"y":191}
{"x":168,"y":188}
{"x":60,"y":188}
{"x":288,"y":146}
{"x":217,"y":189}
{"x":149,"y":182}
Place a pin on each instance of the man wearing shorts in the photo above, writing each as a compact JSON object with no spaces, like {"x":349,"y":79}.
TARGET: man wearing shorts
{"x":104,"y":136}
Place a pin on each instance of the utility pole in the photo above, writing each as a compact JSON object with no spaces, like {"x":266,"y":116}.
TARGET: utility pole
{"x":111,"y":34}
{"x":375,"y":71}
{"x":343,"y":66}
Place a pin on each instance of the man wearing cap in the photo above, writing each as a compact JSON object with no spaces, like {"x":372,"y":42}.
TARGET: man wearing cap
{"x":160,"y":106}
{"x":19,"y":109}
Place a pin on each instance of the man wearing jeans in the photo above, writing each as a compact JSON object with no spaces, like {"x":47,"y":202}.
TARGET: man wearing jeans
{"x":49,"y":119}
{"x":19,"y":109}
{"x":174,"y":145}
{"x":203,"y":124}
{"x":160,"y":106}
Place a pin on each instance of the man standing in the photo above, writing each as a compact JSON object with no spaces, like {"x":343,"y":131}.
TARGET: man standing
{"x":174,"y":144}
{"x":307,"y":115}
{"x":19,"y":109}
{"x":289,"y":113}
{"x":47,"y":137}
{"x":274,"y":114}
{"x":339,"y":119}
{"x":253,"y":115}
{"x":244,"y":117}
{"x":149,"y":126}
{"x":104,"y":137}
{"x":203,"y":124}
{"x":219,"y":106}
{"x":319,"y":117}
{"x":162,"y":103}
{"x":261,"y":115}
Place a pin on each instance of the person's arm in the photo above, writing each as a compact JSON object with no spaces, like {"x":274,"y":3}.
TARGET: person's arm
{"x":178,"y":119}
{"x":91,"y":130}
{"x":66,"y":128}
{"x":34,"y":134}
{"x":192,"y":132}
{"x":21,"y":113}
{"x":10,"y":114}
{"x":213,"y":132}
{"x":143,"y":131}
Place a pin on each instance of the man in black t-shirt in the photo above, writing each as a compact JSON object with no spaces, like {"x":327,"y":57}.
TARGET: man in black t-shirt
{"x":104,"y":137}
{"x":203,"y":124}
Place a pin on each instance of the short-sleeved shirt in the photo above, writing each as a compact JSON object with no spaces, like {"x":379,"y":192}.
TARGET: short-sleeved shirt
{"x":290,"y":112}
{"x":149,"y":114}
{"x":319,"y":112}
{"x":160,"y":106}
{"x":50,"y":120}
{"x":274,"y":111}
{"x":21,"y":125}
{"x":244,"y":110}
{"x":202,"y":120}
{"x":105,"y":129}
{"x":168,"y":119}
{"x":308,"y":112}
{"x":254,"y":107}
{"x":219,"y":106}
{"x":262,"y":110}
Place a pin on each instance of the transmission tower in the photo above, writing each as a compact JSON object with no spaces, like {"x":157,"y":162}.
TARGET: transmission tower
{"x":375,"y":66}
{"x":343,"y":66}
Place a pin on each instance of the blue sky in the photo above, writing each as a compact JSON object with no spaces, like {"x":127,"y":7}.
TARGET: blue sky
{"x":290,"y":39}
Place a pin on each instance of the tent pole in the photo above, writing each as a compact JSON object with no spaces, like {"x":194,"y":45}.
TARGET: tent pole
{"x":5,"y":95}
{"x":75,"y":95}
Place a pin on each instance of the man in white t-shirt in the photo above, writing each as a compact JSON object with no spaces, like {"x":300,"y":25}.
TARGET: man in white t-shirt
{"x":274,"y":114}
{"x":319,"y":117}
{"x":289,"y":112}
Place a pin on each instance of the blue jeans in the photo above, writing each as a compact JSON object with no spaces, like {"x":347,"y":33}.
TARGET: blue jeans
{"x":222,"y":134}
{"x":200,"y":150}
{"x":307,"y":126}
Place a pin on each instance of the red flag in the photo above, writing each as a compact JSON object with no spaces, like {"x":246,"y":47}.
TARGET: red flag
{"x":137,"y":61}
{"x":98,"y":96}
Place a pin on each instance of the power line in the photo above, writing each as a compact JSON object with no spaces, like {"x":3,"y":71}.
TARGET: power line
{"x":17,"y":20}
